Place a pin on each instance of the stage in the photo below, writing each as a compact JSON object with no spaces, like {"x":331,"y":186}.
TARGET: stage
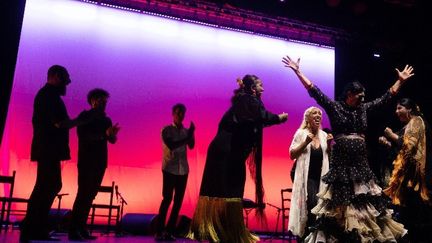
{"x":13,"y":236}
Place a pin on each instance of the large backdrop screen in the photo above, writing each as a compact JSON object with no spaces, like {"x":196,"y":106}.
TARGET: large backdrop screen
{"x":148,"y":64}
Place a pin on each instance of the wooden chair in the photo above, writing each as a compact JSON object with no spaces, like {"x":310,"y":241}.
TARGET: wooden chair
{"x":7,"y":201}
{"x":108,"y":208}
{"x":285,"y":208}
{"x":248,"y":206}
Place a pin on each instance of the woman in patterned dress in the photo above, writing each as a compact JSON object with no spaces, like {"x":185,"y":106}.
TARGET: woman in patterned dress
{"x":351,"y":207}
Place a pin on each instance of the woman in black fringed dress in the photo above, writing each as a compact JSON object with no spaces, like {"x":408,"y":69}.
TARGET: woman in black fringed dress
{"x":351,"y":207}
{"x":218,"y":216}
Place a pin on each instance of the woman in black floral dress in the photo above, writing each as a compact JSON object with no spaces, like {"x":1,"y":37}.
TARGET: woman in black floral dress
{"x":351,"y":207}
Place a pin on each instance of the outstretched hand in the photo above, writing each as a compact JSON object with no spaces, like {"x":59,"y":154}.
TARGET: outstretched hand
{"x":283,"y":117}
{"x":406,"y":73}
{"x":290,"y":63}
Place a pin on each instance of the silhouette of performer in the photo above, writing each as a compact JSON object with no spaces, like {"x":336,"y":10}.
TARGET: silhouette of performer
{"x":218,"y":216}
{"x":50,"y":145}
{"x":92,"y":160}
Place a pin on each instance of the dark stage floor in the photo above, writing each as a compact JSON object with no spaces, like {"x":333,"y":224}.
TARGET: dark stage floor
{"x":12,"y":236}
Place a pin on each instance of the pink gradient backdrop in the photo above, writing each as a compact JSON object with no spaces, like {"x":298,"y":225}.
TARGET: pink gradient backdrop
{"x":149,"y":63}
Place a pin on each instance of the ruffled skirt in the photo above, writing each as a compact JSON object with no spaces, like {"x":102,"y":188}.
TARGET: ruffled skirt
{"x":351,"y":206}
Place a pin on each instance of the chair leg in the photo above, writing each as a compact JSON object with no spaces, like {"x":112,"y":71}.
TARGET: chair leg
{"x":92,"y":220}
{"x":117,"y":225}
{"x":2,"y":215}
{"x":283,"y":224}
{"x":8,"y":211}
{"x":109,"y":220}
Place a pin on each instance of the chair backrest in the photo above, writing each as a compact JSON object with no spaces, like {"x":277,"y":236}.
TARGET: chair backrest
{"x":110,"y":207}
{"x":285,"y":206}
{"x":286,"y":198}
{"x":9,"y":180}
{"x":108,"y":189}
{"x":7,"y":200}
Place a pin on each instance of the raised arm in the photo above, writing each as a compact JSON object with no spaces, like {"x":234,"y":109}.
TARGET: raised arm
{"x":403,"y":75}
{"x":322,"y":99}
{"x":394,"y":89}
{"x":295,"y":66}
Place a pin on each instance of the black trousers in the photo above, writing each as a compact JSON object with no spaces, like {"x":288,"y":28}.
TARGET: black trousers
{"x":172,"y":184}
{"x":89,"y":181}
{"x":48,"y":185}
{"x":312,"y":201}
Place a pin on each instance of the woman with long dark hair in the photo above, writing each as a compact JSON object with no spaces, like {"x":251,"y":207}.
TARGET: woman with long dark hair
{"x":218,"y":216}
{"x":410,"y":184}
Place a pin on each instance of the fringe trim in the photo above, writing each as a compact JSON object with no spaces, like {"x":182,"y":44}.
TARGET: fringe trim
{"x":220,"y":220}
{"x":406,"y":174}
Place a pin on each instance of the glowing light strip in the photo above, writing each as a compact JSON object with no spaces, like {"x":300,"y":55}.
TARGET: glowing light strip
{"x":207,"y":24}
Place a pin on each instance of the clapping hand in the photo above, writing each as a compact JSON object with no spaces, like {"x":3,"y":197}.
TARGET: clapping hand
{"x":192,"y":127}
{"x":113,"y":130}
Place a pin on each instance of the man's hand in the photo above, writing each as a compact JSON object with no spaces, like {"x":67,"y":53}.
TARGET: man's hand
{"x":113,"y":130}
{"x":192,"y":127}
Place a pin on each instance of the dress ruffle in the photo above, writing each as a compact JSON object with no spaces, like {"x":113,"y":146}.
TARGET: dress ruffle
{"x":363,"y":218}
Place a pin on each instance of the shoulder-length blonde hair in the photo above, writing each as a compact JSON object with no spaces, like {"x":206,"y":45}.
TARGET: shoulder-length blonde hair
{"x":307,"y":113}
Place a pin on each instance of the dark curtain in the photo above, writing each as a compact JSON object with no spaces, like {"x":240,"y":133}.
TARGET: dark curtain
{"x":11,"y":18}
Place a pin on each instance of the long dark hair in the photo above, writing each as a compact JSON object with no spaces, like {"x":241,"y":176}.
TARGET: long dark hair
{"x":254,"y":161}
{"x":246,"y":85}
{"x":410,"y":104}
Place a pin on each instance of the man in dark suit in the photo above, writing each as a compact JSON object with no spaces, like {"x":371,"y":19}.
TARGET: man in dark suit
{"x":50,"y":145}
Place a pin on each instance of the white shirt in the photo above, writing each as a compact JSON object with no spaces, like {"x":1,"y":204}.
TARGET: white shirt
{"x":175,"y":160}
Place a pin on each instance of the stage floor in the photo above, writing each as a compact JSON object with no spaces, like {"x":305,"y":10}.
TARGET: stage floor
{"x":12,"y":236}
